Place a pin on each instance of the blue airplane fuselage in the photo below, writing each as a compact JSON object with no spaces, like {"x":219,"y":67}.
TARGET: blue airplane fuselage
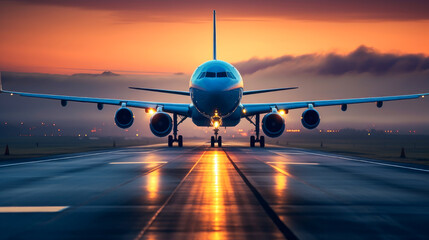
{"x":216,"y":89}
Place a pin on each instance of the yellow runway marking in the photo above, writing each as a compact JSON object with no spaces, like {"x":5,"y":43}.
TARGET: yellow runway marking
{"x":32,"y":209}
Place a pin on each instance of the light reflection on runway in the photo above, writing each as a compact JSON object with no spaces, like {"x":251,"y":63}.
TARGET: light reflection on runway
{"x":152,"y":186}
{"x":281,"y":185}
{"x":213,"y":203}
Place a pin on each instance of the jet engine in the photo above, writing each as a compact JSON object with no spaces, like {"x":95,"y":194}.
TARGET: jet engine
{"x":310,"y":118}
{"x":273,"y":124}
{"x":124,"y":117}
{"x":161,"y":124}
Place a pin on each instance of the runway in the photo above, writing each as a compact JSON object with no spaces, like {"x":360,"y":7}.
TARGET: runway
{"x":198,"y":192}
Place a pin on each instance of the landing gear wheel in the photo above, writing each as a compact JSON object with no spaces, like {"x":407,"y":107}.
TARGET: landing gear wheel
{"x":262,"y":141}
{"x":219,"y":141}
{"x":212,"y":141}
{"x":180,"y":141}
{"x":170,"y":141}
{"x":252,"y":141}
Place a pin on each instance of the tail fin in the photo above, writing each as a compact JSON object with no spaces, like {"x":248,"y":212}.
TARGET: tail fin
{"x":214,"y":34}
{"x":1,"y":88}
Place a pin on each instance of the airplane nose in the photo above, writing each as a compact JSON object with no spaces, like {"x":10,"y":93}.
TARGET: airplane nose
{"x":223,"y":102}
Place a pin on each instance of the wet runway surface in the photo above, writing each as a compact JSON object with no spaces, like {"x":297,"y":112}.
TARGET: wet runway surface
{"x":198,"y":192}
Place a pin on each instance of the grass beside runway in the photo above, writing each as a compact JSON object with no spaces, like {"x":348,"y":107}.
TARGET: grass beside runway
{"x":30,"y":147}
{"x":376,"y":146}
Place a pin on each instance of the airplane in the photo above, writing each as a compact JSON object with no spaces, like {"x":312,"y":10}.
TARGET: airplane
{"x":216,"y":92}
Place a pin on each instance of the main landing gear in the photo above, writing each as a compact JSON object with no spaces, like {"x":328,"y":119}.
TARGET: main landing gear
{"x":174,"y":138}
{"x":216,"y":139}
{"x":257,"y":138}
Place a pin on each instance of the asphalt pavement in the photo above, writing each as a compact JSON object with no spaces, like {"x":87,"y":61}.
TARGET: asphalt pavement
{"x":199,"y":192}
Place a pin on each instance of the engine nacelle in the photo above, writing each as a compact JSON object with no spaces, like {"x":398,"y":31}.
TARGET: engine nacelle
{"x":273,"y":124}
{"x":310,"y":118}
{"x":161,"y":124}
{"x":124,"y":117}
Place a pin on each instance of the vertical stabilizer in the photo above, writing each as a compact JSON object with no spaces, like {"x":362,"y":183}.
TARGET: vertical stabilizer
{"x":214,"y":34}
{"x":1,"y":88}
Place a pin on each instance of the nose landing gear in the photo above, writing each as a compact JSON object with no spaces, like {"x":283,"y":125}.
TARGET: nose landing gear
{"x":253,"y":139}
{"x":216,"y":122}
{"x":216,"y":139}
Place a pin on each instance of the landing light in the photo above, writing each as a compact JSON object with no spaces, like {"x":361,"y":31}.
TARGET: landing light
{"x":216,"y":124}
{"x":244,"y":110}
{"x":282,"y":112}
{"x":150,"y":111}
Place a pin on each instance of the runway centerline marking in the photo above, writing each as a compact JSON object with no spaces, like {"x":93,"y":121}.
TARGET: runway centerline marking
{"x":138,"y":162}
{"x":295,"y":163}
{"x":366,"y":161}
{"x":32,"y":209}
{"x":285,"y":230}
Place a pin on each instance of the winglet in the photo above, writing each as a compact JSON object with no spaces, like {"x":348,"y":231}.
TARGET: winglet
{"x":214,"y":34}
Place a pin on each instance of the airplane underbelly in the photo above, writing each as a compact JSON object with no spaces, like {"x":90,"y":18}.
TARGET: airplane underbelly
{"x":202,"y":121}
{"x":222,"y":102}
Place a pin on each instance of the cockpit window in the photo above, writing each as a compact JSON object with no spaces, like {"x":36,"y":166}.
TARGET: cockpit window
{"x":230,"y":75}
{"x":221,"y":74}
{"x":210,"y":74}
{"x":203,"y":74}
{"x":214,"y":74}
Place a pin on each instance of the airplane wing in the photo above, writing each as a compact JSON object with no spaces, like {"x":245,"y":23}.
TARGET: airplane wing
{"x":179,"y":108}
{"x":256,"y":108}
{"x":267,"y":90}
{"x":162,"y":90}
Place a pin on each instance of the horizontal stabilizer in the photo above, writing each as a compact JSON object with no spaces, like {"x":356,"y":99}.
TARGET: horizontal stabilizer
{"x":163,"y":91}
{"x":267,"y":90}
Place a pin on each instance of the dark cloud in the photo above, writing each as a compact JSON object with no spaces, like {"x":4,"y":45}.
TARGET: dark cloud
{"x":255,"y":64}
{"x":103,"y":74}
{"x":330,"y":10}
{"x":361,"y":60}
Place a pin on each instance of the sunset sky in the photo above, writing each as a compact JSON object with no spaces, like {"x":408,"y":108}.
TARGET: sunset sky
{"x":175,"y":36}
{"x":329,"y":49}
